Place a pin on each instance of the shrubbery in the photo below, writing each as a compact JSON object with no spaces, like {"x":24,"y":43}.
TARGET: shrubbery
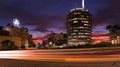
{"x":8,"y":45}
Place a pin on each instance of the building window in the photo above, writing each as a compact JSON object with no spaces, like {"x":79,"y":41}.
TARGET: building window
{"x":80,"y":27}
{"x":85,"y":21}
{"x":87,"y":33}
{"x":75,"y":36}
{"x":86,"y":25}
{"x":82,"y":43}
{"x":82,"y":15}
{"x":73,"y":33}
{"x":75,"y":21}
{"x":73,"y":39}
{"x":77,"y":13}
{"x":75,"y":30}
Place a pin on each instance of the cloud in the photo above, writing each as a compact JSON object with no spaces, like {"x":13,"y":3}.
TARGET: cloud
{"x":45,"y":23}
{"x":109,"y":14}
{"x":41,"y":36}
{"x":50,"y":14}
{"x":34,"y":13}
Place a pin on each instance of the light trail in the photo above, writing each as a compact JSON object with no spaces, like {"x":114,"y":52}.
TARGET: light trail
{"x":63,"y":55}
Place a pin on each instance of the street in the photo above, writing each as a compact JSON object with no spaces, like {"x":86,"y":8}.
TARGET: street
{"x":65,"y":55}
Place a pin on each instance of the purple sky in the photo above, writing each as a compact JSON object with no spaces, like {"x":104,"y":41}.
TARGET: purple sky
{"x":43,"y":16}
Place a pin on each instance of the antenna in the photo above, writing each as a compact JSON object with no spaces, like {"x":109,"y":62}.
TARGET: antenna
{"x":83,"y":4}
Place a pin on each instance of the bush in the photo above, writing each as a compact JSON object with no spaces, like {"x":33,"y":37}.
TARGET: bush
{"x":8,"y":45}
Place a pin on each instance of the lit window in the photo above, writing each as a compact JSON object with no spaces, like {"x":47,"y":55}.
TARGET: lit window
{"x":82,"y":43}
{"x":82,"y":36}
{"x":75,"y":36}
{"x":79,"y":36}
{"x":87,"y":33}
{"x":82,"y":15}
{"x":83,"y":27}
{"x":86,"y":24}
{"x":81,"y":33}
{"x":73,"y":33}
{"x":77,"y":13}
{"x":75,"y":21}
{"x":75,"y":30}
{"x":73,"y":39}
{"x":85,"y":21}
{"x":88,"y":39}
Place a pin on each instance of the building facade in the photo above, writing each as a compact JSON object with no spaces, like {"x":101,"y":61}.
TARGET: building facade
{"x":18,"y":32}
{"x":55,"y":39}
{"x":79,"y":27}
{"x":16,"y":40}
{"x":4,"y":35}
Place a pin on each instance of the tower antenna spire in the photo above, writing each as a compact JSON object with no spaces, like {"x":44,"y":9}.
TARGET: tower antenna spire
{"x":83,"y":4}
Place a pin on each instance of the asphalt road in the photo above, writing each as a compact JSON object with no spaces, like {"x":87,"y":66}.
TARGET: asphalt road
{"x":65,"y":55}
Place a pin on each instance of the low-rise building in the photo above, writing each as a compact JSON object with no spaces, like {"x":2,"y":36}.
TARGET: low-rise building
{"x":4,"y":35}
{"x":20,"y":32}
{"x":55,"y":39}
{"x":16,"y":33}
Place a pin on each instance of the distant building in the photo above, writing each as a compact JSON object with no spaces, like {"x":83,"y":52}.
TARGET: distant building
{"x":15,"y":30}
{"x":18,"y":32}
{"x":57,"y":39}
{"x":79,"y":27}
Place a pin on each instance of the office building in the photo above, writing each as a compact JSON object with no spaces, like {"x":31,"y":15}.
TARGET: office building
{"x":79,"y":26}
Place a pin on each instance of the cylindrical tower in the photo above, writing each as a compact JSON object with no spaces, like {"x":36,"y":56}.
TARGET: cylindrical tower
{"x":79,"y":27}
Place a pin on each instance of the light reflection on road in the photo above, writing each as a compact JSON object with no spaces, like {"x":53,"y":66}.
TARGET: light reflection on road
{"x":66,"y":55}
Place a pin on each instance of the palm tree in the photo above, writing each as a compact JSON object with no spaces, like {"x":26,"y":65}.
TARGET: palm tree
{"x":114,"y":33}
{"x":118,"y":34}
{"x":109,"y":27}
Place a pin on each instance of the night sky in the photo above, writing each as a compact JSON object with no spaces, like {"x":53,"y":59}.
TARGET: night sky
{"x":43,"y":16}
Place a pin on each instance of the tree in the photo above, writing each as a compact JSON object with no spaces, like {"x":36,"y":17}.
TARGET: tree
{"x":32,"y":45}
{"x":8,"y":45}
{"x":109,"y":27}
{"x":114,"y":33}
